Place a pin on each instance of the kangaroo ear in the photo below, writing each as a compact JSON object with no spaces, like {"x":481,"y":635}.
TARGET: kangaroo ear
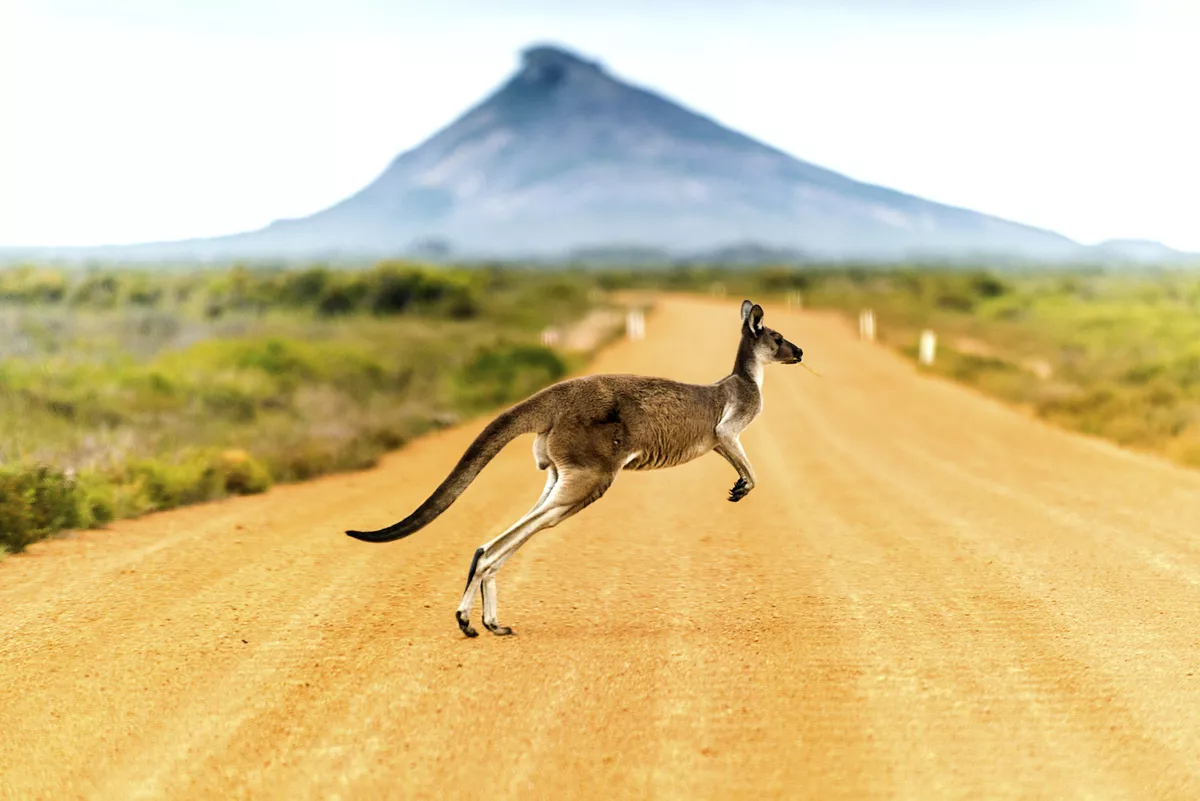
{"x":746,"y":307}
{"x":756,"y":318}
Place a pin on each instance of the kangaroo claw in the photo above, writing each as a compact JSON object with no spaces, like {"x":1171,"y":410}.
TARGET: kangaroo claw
{"x":740,"y":490}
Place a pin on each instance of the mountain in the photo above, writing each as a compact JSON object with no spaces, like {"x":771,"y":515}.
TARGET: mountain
{"x":1140,"y":251}
{"x":565,"y":158}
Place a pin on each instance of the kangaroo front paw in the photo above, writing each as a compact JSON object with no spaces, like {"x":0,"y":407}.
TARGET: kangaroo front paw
{"x":464,"y":623}
{"x":740,"y":490}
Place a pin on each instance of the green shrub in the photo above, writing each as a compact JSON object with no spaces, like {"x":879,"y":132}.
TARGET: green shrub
{"x":35,"y":502}
{"x":97,"y":291}
{"x":230,"y":403}
{"x":151,"y":485}
{"x":336,"y":300}
{"x":276,"y":357}
{"x":504,"y":374}
{"x":987,"y":286}
{"x":235,"y":472}
{"x":314,"y":457}
{"x":96,"y":503}
{"x":305,"y":287}
{"x":955,"y":301}
{"x":1142,"y":373}
{"x":159,"y":485}
{"x":968,"y":367}
{"x":781,"y":279}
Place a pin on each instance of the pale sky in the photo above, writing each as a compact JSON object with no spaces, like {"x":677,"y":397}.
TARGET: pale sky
{"x":143,"y":120}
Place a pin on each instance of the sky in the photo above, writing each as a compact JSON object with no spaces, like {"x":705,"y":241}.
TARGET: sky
{"x":141,"y":120}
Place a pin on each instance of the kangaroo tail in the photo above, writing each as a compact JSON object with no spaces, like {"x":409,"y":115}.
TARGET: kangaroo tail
{"x":526,"y":417}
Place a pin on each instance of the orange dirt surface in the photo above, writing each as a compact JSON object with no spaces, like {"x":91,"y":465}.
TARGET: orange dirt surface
{"x":927,"y":596}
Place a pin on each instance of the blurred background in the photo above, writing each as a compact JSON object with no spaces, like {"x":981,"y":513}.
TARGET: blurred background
{"x":243,"y":242}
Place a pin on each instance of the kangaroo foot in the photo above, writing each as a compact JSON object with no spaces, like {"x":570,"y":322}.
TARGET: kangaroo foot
{"x":464,"y":623}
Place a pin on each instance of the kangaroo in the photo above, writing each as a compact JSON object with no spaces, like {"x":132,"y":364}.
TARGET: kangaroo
{"x":592,"y":427}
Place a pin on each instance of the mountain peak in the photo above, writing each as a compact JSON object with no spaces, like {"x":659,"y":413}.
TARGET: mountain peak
{"x":547,"y":63}
{"x":564,"y":155}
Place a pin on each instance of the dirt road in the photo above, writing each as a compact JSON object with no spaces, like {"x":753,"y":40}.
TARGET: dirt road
{"x":927,"y":596}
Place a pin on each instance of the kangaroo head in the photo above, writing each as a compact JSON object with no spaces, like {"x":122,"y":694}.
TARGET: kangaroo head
{"x":767,"y":344}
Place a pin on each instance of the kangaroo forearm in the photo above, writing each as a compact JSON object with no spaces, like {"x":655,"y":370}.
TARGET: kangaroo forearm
{"x":737,"y":457}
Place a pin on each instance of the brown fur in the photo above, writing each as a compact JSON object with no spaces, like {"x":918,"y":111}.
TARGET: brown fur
{"x":589,"y":429}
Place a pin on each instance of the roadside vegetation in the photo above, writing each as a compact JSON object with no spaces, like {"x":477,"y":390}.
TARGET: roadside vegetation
{"x":1114,"y":354}
{"x":126,"y":392}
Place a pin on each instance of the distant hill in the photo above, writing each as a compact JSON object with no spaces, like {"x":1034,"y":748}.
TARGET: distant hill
{"x":565,"y":159}
{"x":1140,"y":251}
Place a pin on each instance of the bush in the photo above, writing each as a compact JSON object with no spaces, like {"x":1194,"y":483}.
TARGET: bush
{"x":395,"y":290}
{"x":34,"y":503}
{"x":968,"y":367}
{"x":159,"y":485}
{"x":230,"y":403}
{"x":236,"y":473}
{"x":153,"y":485}
{"x":304,"y":288}
{"x":336,"y":300}
{"x":1186,"y":447}
{"x":953,"y":300}
{"x":315,"y":457}
{"x":507,"y":373}
{"x":98,"y":291}
{"x":988,"y":286}
{"x":96,"y":503}
{"x":276,"y":357}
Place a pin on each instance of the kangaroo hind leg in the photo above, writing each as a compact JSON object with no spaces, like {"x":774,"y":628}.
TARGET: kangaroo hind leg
{"x":488,"y":583}
{"x":574,"y":490}
{"x":541,"y":460}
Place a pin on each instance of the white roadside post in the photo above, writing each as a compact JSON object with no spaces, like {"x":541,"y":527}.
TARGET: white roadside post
{"x":717,"y":289}
{"x":928,"y":347}
{"x":550,"y":337}
{"x":794,"y":301}
{"x":635,"y":324}
{"x":866,"y":325}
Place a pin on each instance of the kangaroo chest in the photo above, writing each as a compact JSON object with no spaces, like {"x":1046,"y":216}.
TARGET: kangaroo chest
{"x":737,"y":414}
